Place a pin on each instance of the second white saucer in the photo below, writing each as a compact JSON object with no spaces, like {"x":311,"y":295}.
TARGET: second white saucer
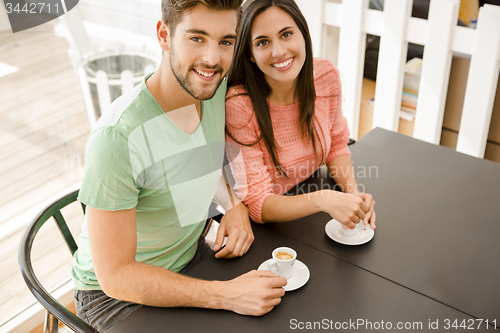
{"x":334,"y":230}
{"x":299,"y":277}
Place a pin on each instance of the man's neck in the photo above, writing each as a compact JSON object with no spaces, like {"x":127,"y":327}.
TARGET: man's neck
{"x":167,"y":91}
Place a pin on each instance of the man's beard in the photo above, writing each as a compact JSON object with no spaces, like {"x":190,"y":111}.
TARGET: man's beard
{"x":186,"y":84}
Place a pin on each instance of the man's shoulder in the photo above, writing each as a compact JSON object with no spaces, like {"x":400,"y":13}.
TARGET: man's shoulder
{"x":128,"y":112}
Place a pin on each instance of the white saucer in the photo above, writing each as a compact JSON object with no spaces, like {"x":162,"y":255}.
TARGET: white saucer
{"x":334,"y":231}
{"x":299,"y":277}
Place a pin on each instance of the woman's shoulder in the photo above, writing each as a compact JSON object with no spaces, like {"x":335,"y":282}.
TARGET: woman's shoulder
{"x":239,"y":92}
{"x":239,"y":108}
{"x":323,"y":67}
{"x":326,"y":77}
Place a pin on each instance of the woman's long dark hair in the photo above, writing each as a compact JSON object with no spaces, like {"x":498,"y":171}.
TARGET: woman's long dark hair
{"x":245,"y":72}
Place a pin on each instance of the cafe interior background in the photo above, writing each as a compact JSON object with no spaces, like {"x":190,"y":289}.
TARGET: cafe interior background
{"x":57,"y":77}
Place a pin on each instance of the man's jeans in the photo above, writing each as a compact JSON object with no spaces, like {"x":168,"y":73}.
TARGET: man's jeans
{"x":103,"y":312}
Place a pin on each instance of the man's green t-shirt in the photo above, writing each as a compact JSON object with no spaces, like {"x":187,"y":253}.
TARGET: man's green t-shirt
{"x":137,"y":157}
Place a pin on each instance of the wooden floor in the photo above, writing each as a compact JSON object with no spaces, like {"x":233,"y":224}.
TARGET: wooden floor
{"x":43,"y":129}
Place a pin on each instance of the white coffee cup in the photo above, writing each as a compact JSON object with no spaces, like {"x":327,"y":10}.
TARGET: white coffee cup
{"x":281,"y":265}
{"x":351,"y":232}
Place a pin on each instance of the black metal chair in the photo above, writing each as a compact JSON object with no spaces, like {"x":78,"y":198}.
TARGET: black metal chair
{"x":55,"y":311}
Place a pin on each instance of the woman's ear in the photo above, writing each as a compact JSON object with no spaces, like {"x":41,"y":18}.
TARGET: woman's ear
{"x":252,"y":58}
{"x":163,"y":35}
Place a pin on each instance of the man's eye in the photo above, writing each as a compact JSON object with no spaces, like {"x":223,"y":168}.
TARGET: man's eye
{"x":196,"y":39}
{"x":226,"y":43}
{"x":262,"y":43}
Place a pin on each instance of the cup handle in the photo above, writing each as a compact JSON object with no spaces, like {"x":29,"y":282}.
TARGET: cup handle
{"x":273,"y":267}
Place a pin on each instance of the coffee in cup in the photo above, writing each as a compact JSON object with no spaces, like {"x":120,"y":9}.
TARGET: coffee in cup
{"x":283,"y":261}
{"x":284,"y":256}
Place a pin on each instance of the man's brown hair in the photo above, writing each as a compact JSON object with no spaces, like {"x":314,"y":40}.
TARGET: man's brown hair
{"x":174,"y":10}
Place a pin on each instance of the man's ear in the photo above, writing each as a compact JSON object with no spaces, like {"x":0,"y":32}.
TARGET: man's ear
{"x":163,"y":35}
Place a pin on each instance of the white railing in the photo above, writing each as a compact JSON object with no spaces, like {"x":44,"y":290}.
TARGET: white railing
{"x":441,"y":37}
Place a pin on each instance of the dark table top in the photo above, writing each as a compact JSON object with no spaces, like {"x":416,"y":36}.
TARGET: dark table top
{"x":336,"y":293}
{"x":434,"y":257}
{"x":438,"y":221}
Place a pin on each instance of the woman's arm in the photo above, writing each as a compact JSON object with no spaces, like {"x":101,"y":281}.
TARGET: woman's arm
{"x":250,"y":172}
{"x":346,"y":208}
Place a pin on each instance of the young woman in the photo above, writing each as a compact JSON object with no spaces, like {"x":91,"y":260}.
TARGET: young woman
{"x":283,"y":109}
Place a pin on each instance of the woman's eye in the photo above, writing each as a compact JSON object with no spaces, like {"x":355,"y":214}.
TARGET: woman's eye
{"x":262,"y":43}
{"x":286,"y":34}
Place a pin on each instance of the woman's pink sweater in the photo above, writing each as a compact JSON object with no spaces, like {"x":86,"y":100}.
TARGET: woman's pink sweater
{"x":254,"y":172}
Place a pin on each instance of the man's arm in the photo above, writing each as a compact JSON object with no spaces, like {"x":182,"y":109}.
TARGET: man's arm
{"x":113,"y":243}
{"x":235,"y":224}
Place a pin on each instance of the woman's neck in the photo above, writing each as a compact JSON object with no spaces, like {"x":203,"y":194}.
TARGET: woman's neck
{"x":282,"y":93}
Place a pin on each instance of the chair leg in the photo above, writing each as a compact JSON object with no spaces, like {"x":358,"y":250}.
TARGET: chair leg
{"x":51,"y":324}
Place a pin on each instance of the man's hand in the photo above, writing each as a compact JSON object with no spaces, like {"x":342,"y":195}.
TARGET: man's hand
{"x":254,"y":293}
{"x":236,"y":226}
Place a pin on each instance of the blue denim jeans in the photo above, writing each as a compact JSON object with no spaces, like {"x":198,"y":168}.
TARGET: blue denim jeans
{"x":103,"y":312}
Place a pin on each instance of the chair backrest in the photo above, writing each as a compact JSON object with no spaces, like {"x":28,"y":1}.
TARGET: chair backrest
{"x":53,"y":307}
{"x":110,"y":31}
{"x":95,"y":26}
{"x":105,"y":77}
{"x":441,"y":37}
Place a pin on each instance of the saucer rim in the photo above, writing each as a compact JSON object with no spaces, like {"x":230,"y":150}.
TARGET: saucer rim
{"x":370,"y":233}
{"x":261,"y":268}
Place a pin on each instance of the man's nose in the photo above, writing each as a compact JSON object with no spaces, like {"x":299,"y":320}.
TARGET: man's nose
{"x":211,"y":56}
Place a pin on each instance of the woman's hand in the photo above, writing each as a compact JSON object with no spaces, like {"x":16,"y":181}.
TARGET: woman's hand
{"x":348,"y":209}
{"x":370,"y":215}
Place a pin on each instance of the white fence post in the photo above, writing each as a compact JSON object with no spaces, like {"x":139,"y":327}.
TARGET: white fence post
{"x":103,"y":90}
{"x":127,"y":81}
{"x":481,"y":84}
{"x":313,"y":12}
{"x":392,"y":59}
{"x":352,"y":42}
{"x":443,"y":15}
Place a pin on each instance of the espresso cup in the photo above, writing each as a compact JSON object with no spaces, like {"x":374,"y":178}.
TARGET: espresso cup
{"x":351,"y":232}
{"x":282,"y":261}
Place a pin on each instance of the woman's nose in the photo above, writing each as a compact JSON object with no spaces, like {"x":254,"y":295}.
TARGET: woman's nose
{"x":278,"y":50}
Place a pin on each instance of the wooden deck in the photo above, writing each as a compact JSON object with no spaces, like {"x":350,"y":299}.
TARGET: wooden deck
{"x":43,"y":130}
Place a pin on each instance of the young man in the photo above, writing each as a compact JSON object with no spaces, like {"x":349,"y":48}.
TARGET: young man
{"x":152,"y":166}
